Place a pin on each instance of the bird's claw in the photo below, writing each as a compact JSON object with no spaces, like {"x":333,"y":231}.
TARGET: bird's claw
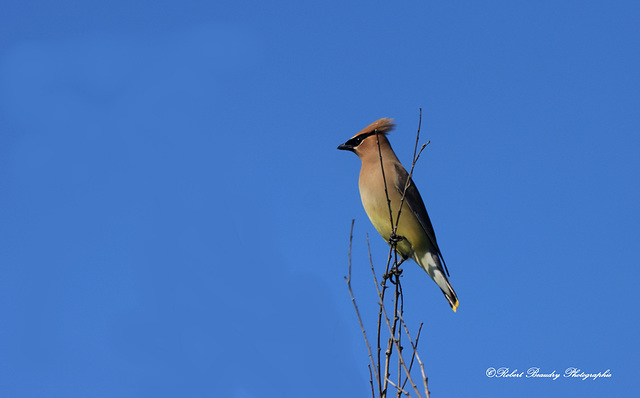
{"x":394,"y":239}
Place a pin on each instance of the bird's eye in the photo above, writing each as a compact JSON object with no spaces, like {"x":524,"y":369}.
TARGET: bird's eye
{"x":355,"y":141}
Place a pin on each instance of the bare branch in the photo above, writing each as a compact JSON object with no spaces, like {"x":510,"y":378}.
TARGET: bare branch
{"x":425,"y":379}
{"x":353,"y":300}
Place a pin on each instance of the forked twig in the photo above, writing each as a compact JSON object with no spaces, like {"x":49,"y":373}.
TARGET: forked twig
{"x":413,"y":165}
{"x":400,"y":390}
{"x":415,"y":351}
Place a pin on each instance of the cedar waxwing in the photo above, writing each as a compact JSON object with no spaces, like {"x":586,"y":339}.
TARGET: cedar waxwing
{"x":415,"y":232}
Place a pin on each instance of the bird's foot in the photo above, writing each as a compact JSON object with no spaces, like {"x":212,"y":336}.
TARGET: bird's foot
{"x":394,"y":239}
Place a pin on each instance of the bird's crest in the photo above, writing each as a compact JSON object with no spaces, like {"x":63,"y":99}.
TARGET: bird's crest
{"x":383,"y":126}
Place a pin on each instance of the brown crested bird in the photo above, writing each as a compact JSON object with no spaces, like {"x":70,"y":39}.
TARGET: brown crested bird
{"x":414,"y":236}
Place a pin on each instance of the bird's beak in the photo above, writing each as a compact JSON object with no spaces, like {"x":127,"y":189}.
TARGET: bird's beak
{"x":345,"y":147}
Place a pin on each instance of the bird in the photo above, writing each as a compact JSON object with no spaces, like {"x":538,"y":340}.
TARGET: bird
{"x":414,"y":237}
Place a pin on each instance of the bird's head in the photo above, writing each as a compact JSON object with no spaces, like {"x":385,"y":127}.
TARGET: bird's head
{"x":365,"y":141}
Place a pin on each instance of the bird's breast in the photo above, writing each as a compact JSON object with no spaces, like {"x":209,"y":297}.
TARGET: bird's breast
{"x":374,"y":201}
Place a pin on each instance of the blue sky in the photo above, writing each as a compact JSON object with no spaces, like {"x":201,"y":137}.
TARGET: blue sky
{"x":175,"y":215}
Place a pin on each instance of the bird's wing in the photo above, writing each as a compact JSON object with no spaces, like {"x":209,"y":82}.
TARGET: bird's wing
{"x":416,"y":205}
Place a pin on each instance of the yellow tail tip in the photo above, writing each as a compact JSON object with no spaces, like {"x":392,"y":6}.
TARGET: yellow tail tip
{"x":455,"y":306}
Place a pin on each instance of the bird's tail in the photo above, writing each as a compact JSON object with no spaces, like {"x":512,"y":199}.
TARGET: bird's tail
{"x":435,"y":271}
{"x":446,"y":288}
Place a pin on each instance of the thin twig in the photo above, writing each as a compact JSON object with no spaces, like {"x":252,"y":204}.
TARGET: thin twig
{"x":387,"y":362}
{"x":395,"y":319}
{"x":400,"y":297}
{"x":415,"y":350}
{"x":413,"y":165}
{"x":381,"y":296}
{"x":400,"y":390}
{"x":353,"y":300}
{"x":413,"y":355}
{"x":384,"y":179}
{"x":373,"y":392}
{"x":375,"y":280}
{"x":425,"y":379}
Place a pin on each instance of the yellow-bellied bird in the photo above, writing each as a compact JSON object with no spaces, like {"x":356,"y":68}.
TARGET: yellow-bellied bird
{"x":415,"y":236}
